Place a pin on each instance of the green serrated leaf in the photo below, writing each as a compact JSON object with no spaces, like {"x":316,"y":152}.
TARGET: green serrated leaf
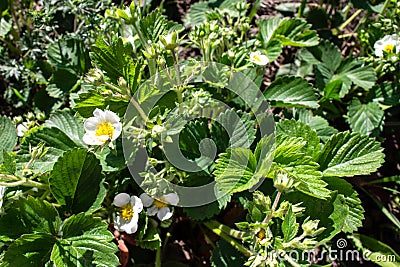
{"x":293,"y":128}
{"x":341,"y":212}
{"x":68,"y":53}
{"x":28,"y":215}
{"x":53,"y":138}
{"x":289,"y":226}
{"x":30,"y":250}
{"x":9,"y":165}
{"x":132,"y":72}
{"x":235,"y":169}
{"x":233,"y":130}
{"x":61,"y":83}
{"x":291,"y":92}
{"x":365,"y":118}
{"x":293,"y":32}
{"x":349,"y":154}
{"x":290,"y":158}
{"x":85,"y":103}
{"x":319,"y":124}
{"x":76,"y":181}
{"x":155,"y":24}
{"x":86,"y":242}
{"x":70,"y":125}
{"x":113,"y":58}
{"x":150,"y":238}
{"x":85,"y":224}
{"x":386,"y":93}
{"x":347,"y":202}
{"x":8,"y":135}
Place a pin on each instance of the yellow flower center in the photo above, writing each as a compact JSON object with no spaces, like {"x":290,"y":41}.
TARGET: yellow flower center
{"x":160,"y":203}
{"x":257,"y":58}
{"x":126,"y":212}
{"x":389,"y":48}
{"x":105,"y":128}
{"x":261,"y":235}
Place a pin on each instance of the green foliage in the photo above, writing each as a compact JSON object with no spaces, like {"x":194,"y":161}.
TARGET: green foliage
{"x":289,"y":226}
{"x":85,"y":241}
{"x":114,"y":59}
{"x":198,"y":12}
{"x":87,"y":102}
{"x":290,"y":158}
{"x":291,"y":92}
{"x":53,"y":138}
{"x":78,"y":58}
{"x":40,"y":237}
{"x":155,"y":24}
{"x":239,"y":169}
{"x":349,"y":154}
{"x":76,"y":182}
{"x":335,"y":76}
{"x":342,"y":211}
{"x":365,"y":118}
{"x":278,"y":32}
{"x":31,"y":250}
{"x":8,"y":136}
{"x":295,"y":128}
{"x":29,"y":215}
{"x":66,"y":122}
{"x":317,"y":123}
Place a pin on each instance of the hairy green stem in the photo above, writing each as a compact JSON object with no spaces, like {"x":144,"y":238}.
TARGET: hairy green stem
{"x":139,"y":109}
{"x":385,"y":6}
{"x":344,"y":24}
{"x":21,"y":181}
{"x":228,"y":239}
{"x":158,"y":257}
{"x":274,"y":206}
{"x":226,"y":229}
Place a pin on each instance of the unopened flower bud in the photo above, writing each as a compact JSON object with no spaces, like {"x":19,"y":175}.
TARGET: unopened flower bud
{"x":170,"y":41}
{"x":282,"y":182}
{"x":39,"y":151}
{"x":95,"y":76}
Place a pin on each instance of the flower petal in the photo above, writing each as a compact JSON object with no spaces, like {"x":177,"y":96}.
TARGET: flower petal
{"x":111,"y":116}
{"x":121,"y":199}
{"x":91,"y":139}
{"x":91,"y":124}
{"x":136,"y":204}
{"x":164,"y":214}
{"x":146,"y":200}
{"x":117,"y":130}
{"x":98,"y":113}
{"x":172,"y":198}
{"x":130,"y":226}
{"x":152,"y":211}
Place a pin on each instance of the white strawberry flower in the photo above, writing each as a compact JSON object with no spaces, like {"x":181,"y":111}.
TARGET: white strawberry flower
{"x":102,"y":128}
{"x":159,"y":206}
{"x":22,"y":129}
{"x":258,"y":58}
{"x":128,"y":214}
{"x":389,"y":44}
